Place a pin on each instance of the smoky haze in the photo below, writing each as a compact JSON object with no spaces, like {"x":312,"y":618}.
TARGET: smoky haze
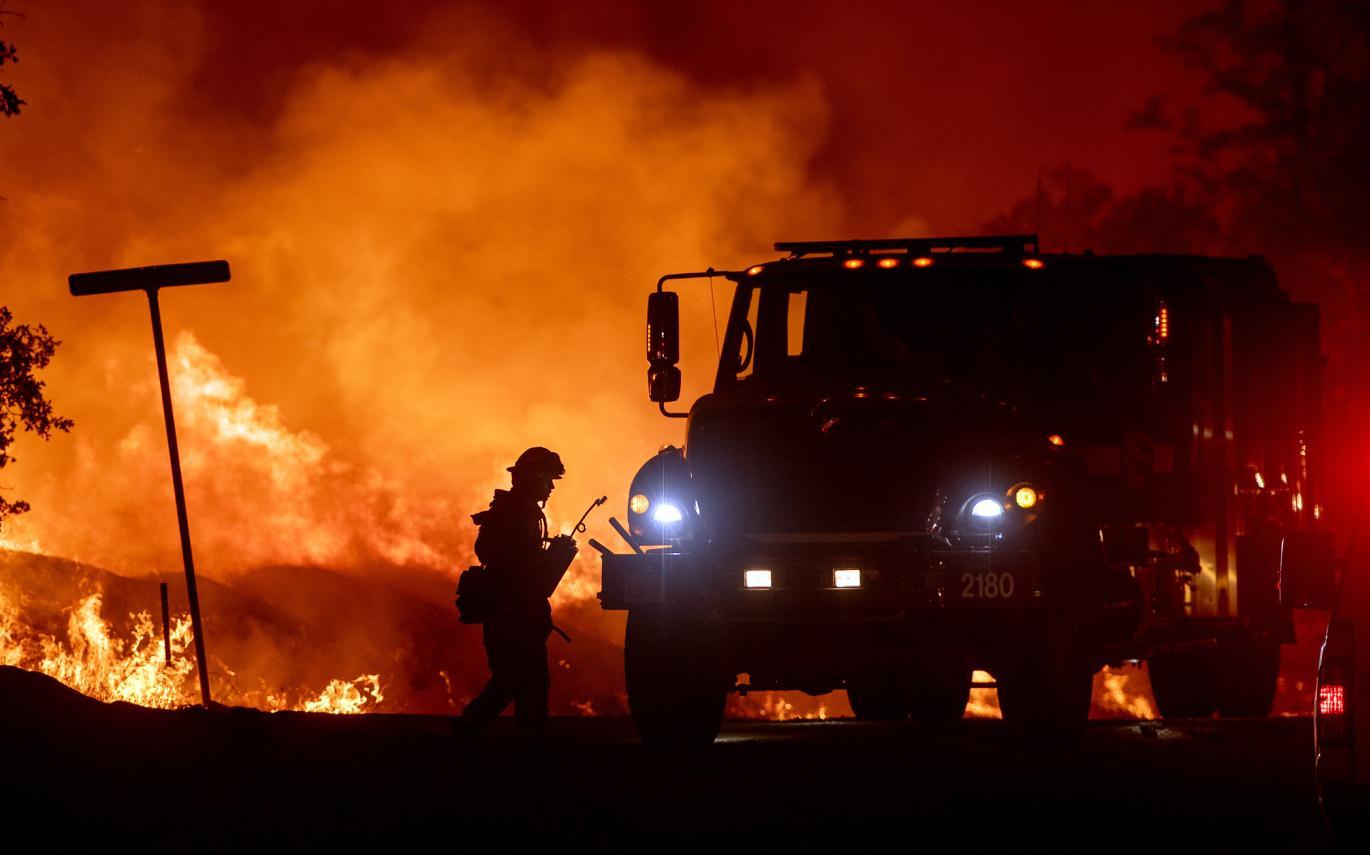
{"x":434,"y":267}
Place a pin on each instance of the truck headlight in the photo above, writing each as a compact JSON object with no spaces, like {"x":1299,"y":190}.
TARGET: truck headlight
{"x":987,"y":508}
{"x":667,"y":513}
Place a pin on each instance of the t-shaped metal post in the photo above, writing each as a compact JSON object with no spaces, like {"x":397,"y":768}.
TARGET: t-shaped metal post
{"x":149,"y":280}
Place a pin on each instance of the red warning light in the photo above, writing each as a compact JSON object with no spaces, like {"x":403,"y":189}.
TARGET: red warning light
{"x":1331,"y":699}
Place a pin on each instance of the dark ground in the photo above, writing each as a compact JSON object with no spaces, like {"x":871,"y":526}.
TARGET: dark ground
{"x":84,"y":769}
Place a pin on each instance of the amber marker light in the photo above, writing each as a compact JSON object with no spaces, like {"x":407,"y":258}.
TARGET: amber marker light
{"x":854,"y":263}
{"x":1025,"y":497}
{"x":639,"y":504}
{"x":1056,"y":440}
{"x":1034,"y":263}
{"x":922,"y":261}
{"x":887,"y":263}
{"x":752,"y":271}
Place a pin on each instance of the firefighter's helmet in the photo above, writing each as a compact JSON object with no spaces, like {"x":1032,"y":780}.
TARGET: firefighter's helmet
{"x":539,"y":461}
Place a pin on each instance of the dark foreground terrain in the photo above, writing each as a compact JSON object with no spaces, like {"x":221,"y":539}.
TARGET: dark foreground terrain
{"x":80,"y":769}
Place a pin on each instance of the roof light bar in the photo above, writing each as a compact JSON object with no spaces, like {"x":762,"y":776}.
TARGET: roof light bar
{"x":1017,"y":244}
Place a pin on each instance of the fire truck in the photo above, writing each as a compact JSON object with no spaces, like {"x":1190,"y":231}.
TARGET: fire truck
{"x":927,"y":457}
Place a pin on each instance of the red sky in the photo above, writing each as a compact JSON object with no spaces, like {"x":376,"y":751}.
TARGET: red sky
{"x":940,"y":114}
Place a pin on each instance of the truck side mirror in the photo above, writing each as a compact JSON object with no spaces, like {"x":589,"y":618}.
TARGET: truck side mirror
{"x":663,"y":328}
{"x":1308,"y":570}
{"x":663,"y":384}
{"x":663,"y":346}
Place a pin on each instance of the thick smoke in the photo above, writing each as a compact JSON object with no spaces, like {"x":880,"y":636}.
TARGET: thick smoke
{"x":434,"y":268}
{"x":436,"y":264}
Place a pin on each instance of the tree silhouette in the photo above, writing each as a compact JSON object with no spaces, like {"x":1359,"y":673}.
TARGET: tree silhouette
{"x":1272,"y":160}
{"x":10,"y":102}
{"x":24,"y":350}
{"x":1291,"y":168}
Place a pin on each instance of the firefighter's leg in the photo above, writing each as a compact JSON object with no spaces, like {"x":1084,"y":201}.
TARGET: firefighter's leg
{"x":502,"y":687}
{"x":530,"y":701}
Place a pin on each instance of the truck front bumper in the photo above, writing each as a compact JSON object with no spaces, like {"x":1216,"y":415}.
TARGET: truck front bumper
{"x":895,"y":580}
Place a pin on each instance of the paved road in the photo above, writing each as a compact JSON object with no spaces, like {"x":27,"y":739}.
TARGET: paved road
{"x":82,"y":768}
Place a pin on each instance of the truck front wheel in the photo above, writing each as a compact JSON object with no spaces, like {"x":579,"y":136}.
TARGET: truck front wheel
{"x":676,"y":689}
{"x":877,"y":697}
{"x":938,"y":692}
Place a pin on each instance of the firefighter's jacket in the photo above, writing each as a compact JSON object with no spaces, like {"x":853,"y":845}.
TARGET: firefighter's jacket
{"x":510,"y":543}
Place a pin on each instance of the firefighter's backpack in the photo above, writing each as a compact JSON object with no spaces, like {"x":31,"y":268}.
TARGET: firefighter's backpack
{"x":476,"y":594}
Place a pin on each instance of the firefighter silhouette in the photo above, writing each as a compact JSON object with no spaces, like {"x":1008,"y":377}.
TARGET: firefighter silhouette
{"x":511,"y":543}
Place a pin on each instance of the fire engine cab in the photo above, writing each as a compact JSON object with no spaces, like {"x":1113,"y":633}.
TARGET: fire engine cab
{"x":925,"y":457}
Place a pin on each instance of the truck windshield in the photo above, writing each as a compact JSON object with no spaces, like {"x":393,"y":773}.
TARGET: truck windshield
{"x":1016,"y":334}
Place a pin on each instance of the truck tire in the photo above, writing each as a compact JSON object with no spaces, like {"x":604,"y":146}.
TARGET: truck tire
{"x":940,"y":693}
{"x":877,"y":697}
{"x":1248,"y":674}
{"x":1183,"y":684}
{"x":676,"y":689}
{"x":1046,"y":685}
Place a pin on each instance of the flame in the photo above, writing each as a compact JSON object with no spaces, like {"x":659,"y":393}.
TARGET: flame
{"x":783,"y":706}
{"x":347,"y":697}
{"x":94,"y":660}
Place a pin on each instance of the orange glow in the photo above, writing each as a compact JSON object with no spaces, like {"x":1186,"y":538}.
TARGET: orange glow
{"x":922,"y":261}
{"x":888,"y":262}
{"x":1056,"y":439}
{"x":752,"y":271}
{"x":1025,"y":497}
{"x":1034,"y":263}
{"x":854,"y":263}
{"x":1163,"y":323}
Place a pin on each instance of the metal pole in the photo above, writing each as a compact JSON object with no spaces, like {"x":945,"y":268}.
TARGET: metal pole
{"x":196,"y":628}
{"x":166,"y":625}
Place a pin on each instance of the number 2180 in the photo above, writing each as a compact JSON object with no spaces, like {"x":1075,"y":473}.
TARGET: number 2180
{"x":986,"y":586}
